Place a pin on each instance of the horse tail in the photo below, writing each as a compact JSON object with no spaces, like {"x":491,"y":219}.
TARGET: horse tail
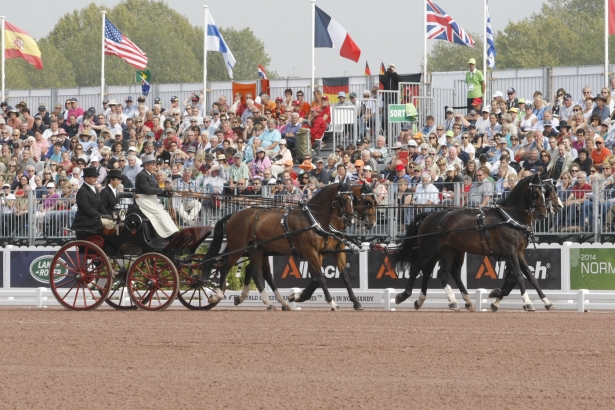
{"x":216,"y":244}
{"x":408,"y":252}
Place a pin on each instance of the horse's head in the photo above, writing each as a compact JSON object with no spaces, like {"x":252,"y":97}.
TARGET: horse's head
{"x":536,"y":197}
{"x":344,"y":204}
{"x":365,"y":205}
{"x":554,"y":204}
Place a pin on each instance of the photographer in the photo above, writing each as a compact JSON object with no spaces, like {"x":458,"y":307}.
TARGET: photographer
{"x":391,"y":80}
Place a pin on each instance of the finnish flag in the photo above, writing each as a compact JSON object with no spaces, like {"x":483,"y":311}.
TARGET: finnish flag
{"x":215,"y":42}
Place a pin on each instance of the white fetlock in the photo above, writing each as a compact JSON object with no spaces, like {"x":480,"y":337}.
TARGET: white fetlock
{"x":265,"y":299}
{"x":244,"y":293}
{"x":450,"y":295}
{"x":280,"y":299}
{"x":334,"y":306}
{"x":421,"y":299}
{"x":497,"y":303}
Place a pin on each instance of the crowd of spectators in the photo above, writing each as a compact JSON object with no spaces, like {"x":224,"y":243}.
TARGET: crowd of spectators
{"x":253,"y":146}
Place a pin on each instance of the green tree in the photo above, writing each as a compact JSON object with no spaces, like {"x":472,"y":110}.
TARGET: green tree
{"x":447,"y":56}
{"x":564,"y":33}
{"x":72,"y":51}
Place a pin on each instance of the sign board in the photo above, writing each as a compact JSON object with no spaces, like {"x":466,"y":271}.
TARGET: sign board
{"x":546,"y":264}
{"x":592,"y":268}
{"x":397,"y":113}
{"x":381,"y":274}
{"x":30,"y":269}
{"x":290,"y":273}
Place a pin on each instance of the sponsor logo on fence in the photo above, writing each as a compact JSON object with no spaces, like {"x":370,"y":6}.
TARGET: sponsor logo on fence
{"x":39,"y":269}
{"x":592,"y":268}
{"x":487,"y":272}
{"x":289,"y":272}
{"x":382,"y":274}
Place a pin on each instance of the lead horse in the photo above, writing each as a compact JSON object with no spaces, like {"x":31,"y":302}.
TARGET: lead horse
{"x":301,"y":232}
{"x":502,"y":231}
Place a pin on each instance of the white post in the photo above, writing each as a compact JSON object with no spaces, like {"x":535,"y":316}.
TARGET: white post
{"x":606,"y":44}
{"x":424,"y":45}
{"x":485,"y":41}
{"x":3,"y":67}
{"x":205,"y":58}
{"x":102,"y":66}
{"x":313,"y":33}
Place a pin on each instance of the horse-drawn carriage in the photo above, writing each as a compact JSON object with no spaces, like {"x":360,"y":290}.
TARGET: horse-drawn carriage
{"x":131,"y":267}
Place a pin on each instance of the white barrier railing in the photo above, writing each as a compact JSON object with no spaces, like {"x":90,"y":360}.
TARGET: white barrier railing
{"x":581,"y":300}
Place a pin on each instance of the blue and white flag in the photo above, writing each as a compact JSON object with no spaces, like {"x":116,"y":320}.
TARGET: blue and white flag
{"x":215,"y":42}
{"x":490,"y":42}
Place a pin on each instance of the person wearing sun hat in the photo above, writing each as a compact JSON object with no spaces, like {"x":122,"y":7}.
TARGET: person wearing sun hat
{"x":146,"y":196}
{"x":475,"y":82}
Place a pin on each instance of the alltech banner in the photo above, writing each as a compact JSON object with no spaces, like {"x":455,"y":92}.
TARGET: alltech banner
{"x":30,"y":269}
{"x":545,"y":264}
{"x":290,"y":273}
{"x":381,"y":274}
{"x":592,"y":268}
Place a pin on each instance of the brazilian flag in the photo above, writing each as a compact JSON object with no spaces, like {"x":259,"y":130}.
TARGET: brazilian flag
{"x":143,"y":75}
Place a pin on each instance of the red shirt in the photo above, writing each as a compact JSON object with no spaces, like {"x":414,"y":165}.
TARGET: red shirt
{"x":579,"y":191}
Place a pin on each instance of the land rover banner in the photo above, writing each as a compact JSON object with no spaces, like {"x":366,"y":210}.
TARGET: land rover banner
{"x":592,"y":268}
{"x":30,"y":269}
{"x":545,"y":264}
{"x":290,"y":273}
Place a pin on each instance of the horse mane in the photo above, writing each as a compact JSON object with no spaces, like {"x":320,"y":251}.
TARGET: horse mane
{"x":324,"y":192}
{"x":517,"y":194}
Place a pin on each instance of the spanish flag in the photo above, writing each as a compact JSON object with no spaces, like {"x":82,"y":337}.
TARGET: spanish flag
{"x":19,"y":44}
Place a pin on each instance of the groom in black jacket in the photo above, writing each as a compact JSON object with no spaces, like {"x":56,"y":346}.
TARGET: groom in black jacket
{"x":91,"y":214}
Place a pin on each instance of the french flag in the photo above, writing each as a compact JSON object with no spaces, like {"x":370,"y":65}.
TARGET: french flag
{"x":261,"y":72}
{"x":328,"y":33}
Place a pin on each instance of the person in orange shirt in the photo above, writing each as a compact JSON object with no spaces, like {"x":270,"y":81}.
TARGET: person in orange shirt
{"x":305,"y":106}
{"x":279,"y":107}
{"x":266,"y":104}
{"x":601,"y":153}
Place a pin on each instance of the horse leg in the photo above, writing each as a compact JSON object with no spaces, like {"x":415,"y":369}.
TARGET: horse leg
{"x":427,"y":271}
{"x":340,"y":259}
{"x":527,"y":303}
{"x":257,"y":258}
{"x":246,"y":285}
{"x":228,"y":265}
{"x":415,"y":269}
{"x":499,"y":294}
{"x":315,"y":266}
{"x":269,"y":278}
{"x":532,"y":279}
{"x":445,"y":268}
{"x":456,"y":274}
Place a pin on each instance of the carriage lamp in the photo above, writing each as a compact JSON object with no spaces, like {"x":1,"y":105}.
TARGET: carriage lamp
{"x":119,"y":214}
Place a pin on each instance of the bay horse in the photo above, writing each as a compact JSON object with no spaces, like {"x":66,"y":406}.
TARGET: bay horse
{"x":298,"y":231}
{"x":365,"y":211}
{"x":502,"y":231}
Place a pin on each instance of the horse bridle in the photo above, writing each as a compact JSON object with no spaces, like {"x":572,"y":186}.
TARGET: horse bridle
{"x":533,"y":205}
{"x":364,"y":218}
{"x":547,"y":187}
{"x":343,"y":199}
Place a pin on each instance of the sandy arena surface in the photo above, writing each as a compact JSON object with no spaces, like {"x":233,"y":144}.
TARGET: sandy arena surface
{"x":310,"y":359}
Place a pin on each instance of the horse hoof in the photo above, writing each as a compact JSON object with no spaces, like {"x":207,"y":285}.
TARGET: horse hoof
{"x":213,"y":299}
{"x":495,"y":293}
{"x":469,"y":307}
{"x":494,"y":308}
{"x":236,"y":300}
{"x":292,"y":298}
{"x":529,"y":308}
{"x":549,"y":306}
{"x":358,"y":307}
{"x":271,"y":308}
{"x":453,"y":306}
{"x":416,"y":305}
{"x":286,"y":308}
{"x":399,"y":298}
{"x":335,"y":309}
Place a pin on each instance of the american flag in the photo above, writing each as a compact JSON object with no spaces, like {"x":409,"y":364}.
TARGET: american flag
{"x":441,"y":26}
{"x":117,"y":44}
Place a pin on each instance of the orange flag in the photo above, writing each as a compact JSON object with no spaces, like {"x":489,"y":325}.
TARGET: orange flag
{"x":19,"y":44}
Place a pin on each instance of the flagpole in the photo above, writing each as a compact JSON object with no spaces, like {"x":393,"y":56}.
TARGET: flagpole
{"x":425,"y":43}
{"x":485,"y":41}
{"x":102,"y":66}
{"x":313,"y":33}
{"x":205,"y":58}
{"x":606,"y":43}
{"x":3,"y":71}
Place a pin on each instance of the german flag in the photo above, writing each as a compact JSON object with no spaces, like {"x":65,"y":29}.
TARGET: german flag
{"x":382,"y":71}
{"x":332,"y":86}
{"x":367,"y":70}
{"x":19,"y":44}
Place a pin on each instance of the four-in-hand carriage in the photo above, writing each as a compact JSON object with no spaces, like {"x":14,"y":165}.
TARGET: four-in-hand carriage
{"x":131,"y":267}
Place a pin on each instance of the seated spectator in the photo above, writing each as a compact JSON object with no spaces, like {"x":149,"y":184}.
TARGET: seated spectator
{"x":578,"y":194}
{"x":481,"y":192}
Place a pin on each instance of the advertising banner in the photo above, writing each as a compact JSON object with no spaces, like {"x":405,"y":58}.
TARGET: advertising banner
{"x":381,"y":274}
{"x":30,"y":269}
{"x":592,"y":268}
{"x":486,"y":272}
{"x":290,"y":273}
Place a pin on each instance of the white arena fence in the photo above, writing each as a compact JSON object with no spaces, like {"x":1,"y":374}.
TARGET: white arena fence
{"x":574,"y":277}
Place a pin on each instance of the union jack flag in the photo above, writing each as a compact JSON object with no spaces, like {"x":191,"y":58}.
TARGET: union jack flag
{"x":441,"y":26}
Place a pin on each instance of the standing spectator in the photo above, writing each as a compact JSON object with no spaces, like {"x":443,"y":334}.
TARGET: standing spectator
{"x":475,"y":82}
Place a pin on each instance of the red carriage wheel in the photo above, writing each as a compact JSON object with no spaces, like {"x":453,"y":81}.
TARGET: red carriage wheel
{"x":79,"y":275}
{"x":193,"y":293}
{"x":152,"y":282}
{"x":118,"y":296}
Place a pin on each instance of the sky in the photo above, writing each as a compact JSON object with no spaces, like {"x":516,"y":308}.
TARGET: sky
{"x":389,"y":31}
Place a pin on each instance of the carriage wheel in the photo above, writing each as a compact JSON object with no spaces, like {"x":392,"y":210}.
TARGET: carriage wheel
{"x":118,"y":293}
{"x":193,"y":293}
{"x":152,"y":282}
{"x":81,"y":273}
